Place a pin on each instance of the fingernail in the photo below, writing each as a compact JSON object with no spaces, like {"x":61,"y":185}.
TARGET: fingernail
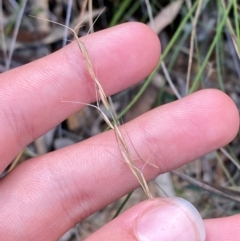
{"x":171,"y":219}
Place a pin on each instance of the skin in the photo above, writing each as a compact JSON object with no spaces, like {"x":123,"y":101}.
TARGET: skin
{"x":41,"y":199}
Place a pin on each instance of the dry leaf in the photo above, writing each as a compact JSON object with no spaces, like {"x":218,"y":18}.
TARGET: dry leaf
{"x":167,"y":15}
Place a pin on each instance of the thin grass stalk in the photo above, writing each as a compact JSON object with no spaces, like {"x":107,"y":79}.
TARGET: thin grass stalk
{"x":219,"y":66}
{"x":225,"y":170}
{"x":163,"y":56}
{"x":122,"y":8}
{"x":15,"y":32}
{"x":170,"y":82}
{"x":195,"y":21}
{"x":150,"y":14}
{"x":90,"y":10}
{"x":214,"y":42}
{"x":125,"y":153}
{"x":4,"y":48}
{"x":222,"y":149}
{"x":219,"y":51}
{"x":67,"y":22}
{"x":225,"y":152}
{"x":207,"y":186}
{"x":122,"y":205}
{"x":236,"y":20}
{"x":231,"y":153}
{"x":177,"y":50}
{"x":198,"y":54}
{"x":231,"y":31}
{"x":83,"y":10}
{"x":178,"y":31}
{"x":132,"y":10}
{"x":165,"y":71}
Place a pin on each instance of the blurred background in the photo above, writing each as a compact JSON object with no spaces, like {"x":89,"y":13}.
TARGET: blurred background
{"x":200,"y":49}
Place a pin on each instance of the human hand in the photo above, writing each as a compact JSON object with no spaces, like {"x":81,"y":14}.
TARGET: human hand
{"x":41,"y":199}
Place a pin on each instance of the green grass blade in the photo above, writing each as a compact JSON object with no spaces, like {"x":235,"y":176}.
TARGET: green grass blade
{"x":122,"y":204}
{"x":177,"y":50}
{"x":225,"y":170}
{"x":236,"y":20}
{"x":119,"y":13}
{"x":219,"y":31}
{"x":132,"y":10}
{"x":219,"y":52}
{"x":167,"y":50}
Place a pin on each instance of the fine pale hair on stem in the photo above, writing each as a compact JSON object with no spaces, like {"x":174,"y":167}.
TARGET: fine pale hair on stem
{"x":114,"y":125}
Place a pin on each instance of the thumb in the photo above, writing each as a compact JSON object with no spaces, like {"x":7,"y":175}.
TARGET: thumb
{"x":160,"y":219}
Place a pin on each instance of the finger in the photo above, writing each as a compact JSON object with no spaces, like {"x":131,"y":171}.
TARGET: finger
{"x":153,"y":220}
{"x":223,"y":229}
{"x":70,"y":184}
{"x":31,"y":96}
